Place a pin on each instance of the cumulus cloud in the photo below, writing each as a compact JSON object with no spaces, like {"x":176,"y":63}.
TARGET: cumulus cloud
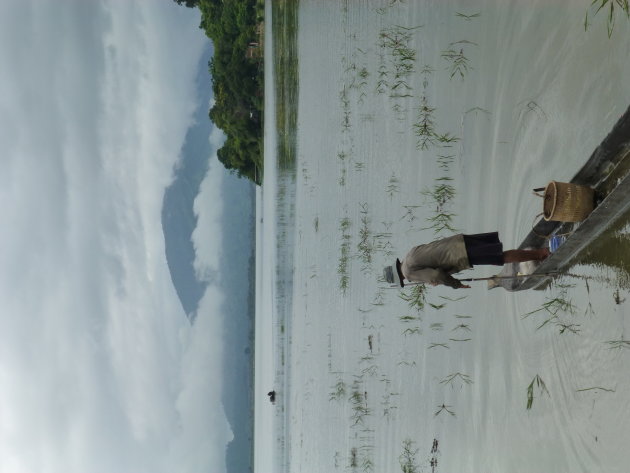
{"x":206,"y":237}
{"x":204,"y":431}
{"x":99,"y":367}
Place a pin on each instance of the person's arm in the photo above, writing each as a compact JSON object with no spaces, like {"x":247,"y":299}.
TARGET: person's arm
{"x":435,"y":276}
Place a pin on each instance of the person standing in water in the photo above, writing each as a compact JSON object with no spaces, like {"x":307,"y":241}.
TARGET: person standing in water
{"x":434,"y":263}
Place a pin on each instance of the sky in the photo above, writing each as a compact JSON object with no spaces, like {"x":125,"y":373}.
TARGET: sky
{"x":100,"y":369}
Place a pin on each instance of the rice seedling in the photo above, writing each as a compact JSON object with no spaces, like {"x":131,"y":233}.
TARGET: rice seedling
{"x":463,"y":41}
{"x":434,"y":447}
{"x":342,"y":177}
{"x":401,"y":57}
{"x":407,"y":458}
{"x":440,"y":194}
{"x":530,"y":390}
{"x":464,"y":327}
{"x":360,"y":82}
{"x":378,"y":299}
{"x":356,"y":397}
{"x":595,"y":388}
{"x":426,"y":71}
{"x":393,"y":186}
{"x":424,"y":128}
{"x":416,"y":297}
{"x":394,"y":37}
{"x":613,"y":7}
{"x":438,"y":326}
{"x":338,"y":392}
{"x":365,"y":246}
{"x":554,"y":306}
{"x":343,"y":96}
{"x":412,"y":331}
{"x":459,"y":316}
{"x":351,"y":68}
{"x":460,"y":339}
{"x":345,"y":122}
{"x":408,"y":318}
{"x":359,"y":412}
{"x":531,"y":107}
{"x":366,"y":117}
{"x":444,"y":408}
{"x":336,"y":458}
{"x":387,"y":410}
{"x":446,"y":139}
{"x":353,"y":457}
{"x":370,"y":370}
{"x":476,"y":110}
{"x":344,"y":258}
{"x":468,"y":17}
{"x":401,"y":84}
{"x":569,"y":328}
{"x":441,"y":222}
{"x":451,"y":378}
{"x":399,"y":108}
{"x":439,"y":345}
{"x":444,"y":161}
{"x":316,"y":224}
{"x":409,"y":28}
{"x":618,"y":344}
{"x":410,"y":213}
{"x":437,"y":306}
{"x":458,"y":62}
{"x":382,"y":84}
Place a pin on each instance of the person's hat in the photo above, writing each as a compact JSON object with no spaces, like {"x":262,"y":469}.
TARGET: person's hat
{"x":393,"y":274}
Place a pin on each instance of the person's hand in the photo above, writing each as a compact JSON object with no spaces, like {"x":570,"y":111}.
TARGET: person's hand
{"x":464,"y":286}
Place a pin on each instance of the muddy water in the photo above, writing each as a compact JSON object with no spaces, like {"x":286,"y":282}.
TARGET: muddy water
{"x":520,"y":94}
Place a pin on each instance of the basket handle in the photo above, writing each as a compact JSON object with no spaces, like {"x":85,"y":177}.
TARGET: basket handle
{"x":537,"y":190}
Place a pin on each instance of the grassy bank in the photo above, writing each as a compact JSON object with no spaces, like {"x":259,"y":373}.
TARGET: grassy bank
{"x":285,"y":64}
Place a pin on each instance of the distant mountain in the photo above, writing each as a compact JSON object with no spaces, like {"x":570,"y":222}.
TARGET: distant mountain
{"x":235,"y":280}
{"x":178,"y":217}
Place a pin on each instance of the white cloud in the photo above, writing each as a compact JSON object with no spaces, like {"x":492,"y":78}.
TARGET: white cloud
{"x":207,"y":236}
{"x":204,"y":429}
{"x":99,"y":368}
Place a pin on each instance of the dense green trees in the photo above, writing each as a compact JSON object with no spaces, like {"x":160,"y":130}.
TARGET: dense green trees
{"x":237,"y":81}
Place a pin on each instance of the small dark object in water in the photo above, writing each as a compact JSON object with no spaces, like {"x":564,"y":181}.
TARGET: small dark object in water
{"x":272,"y":396}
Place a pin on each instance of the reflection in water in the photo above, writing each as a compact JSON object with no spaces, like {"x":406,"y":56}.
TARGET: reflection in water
{"x":612,"y":250}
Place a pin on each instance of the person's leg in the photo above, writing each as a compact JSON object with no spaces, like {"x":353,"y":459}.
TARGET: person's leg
{"x":518,"y":256}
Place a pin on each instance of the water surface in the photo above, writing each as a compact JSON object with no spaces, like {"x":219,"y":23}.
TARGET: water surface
{"x":368,"y":383}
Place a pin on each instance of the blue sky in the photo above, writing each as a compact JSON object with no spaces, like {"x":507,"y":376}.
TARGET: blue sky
{"x":100,"y":369}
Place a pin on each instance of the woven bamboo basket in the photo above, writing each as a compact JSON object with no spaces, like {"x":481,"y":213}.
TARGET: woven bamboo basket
{"x":567,"y":202}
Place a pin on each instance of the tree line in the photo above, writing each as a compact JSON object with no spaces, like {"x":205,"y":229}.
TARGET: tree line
{"x":237,"y":80}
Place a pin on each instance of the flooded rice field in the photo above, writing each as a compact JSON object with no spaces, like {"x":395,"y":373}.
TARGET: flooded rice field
{"x":415,"y":121}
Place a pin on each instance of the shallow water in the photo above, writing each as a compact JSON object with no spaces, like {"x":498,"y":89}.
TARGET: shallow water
{"x":359,"y":373}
